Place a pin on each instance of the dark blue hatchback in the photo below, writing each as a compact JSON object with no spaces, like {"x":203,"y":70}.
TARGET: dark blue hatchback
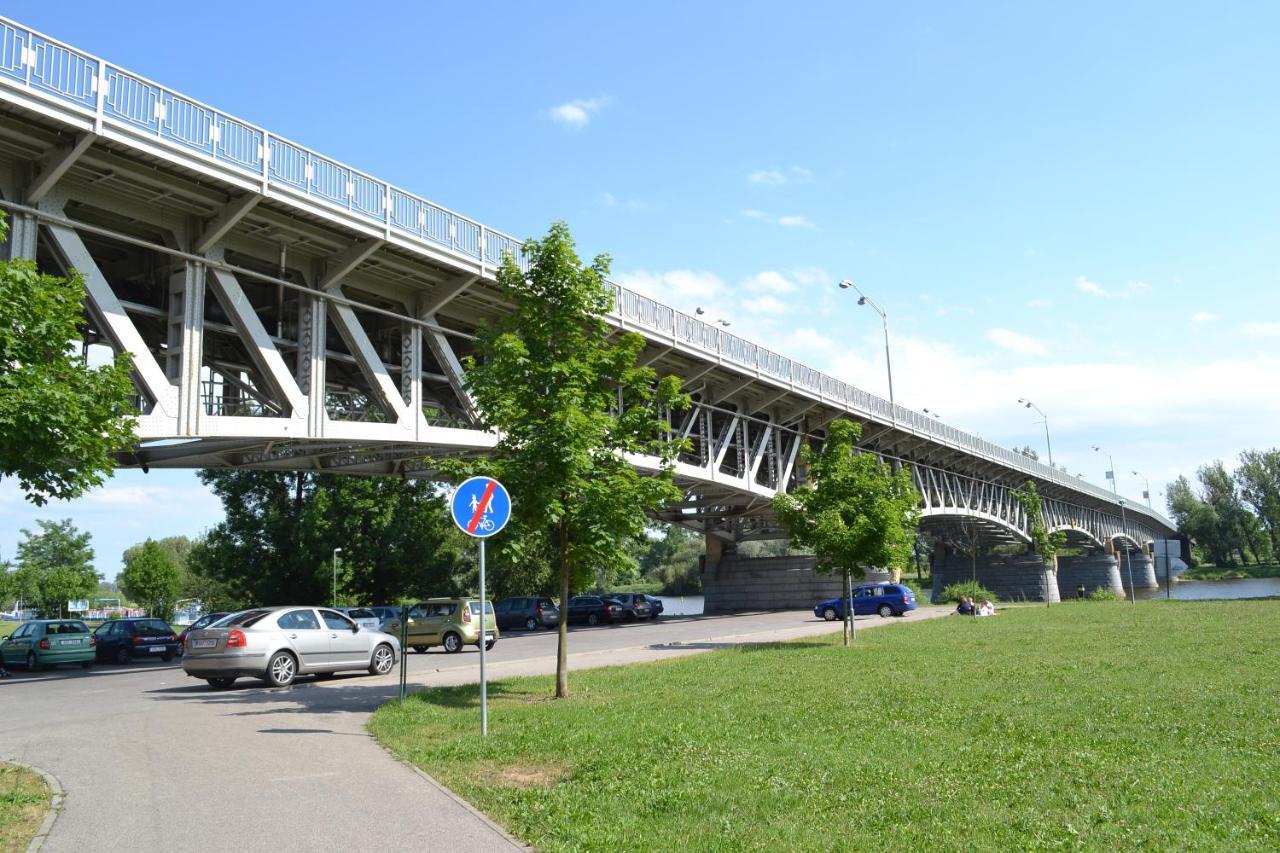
{"x":887,"y":599}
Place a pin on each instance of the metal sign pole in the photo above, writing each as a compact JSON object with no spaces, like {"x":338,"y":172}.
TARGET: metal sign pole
{"x":404,"y":651}
{"x":484,"y":685}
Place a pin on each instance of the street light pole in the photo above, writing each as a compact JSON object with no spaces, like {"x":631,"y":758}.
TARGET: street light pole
{"x":863,"y":299}
{"x":1112,"y":471}
{"x":336,"y":551}
{"x":1146,"y":493}
{"x":1124,"y":530}
{"x":1045,"y":420}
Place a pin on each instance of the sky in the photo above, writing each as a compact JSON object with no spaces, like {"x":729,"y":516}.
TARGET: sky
{"x":1072,"y":203}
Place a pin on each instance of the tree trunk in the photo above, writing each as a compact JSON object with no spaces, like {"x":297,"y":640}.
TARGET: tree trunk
{"x":562,"y":648}
{"x":848,"y":606}
{"x":895,"y":574}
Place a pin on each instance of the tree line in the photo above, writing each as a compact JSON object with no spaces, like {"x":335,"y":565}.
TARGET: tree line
{"x":1231,"y":516}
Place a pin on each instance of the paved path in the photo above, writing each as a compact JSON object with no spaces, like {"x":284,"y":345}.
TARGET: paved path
{"x":151,"y":759}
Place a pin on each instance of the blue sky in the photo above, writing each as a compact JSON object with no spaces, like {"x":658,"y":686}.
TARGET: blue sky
{"x":1076,"y":203}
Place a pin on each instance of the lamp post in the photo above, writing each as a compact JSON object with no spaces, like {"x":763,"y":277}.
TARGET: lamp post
{"x":932,"y":414}
{"x":1044,"y":420}
{"x":1146,"y":490}
{"x":1124,"y":530}
{"x":336,"y":551}
{"x":1111,"y":472}
{"x":863,"y":299}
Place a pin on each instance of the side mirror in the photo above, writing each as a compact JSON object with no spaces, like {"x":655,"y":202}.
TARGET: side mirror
{"x":355,"y":629}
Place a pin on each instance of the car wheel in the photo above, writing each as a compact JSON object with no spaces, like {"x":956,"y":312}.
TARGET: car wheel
{"x":32,"y":663}
{"x":383,"y":660}
{"x":281,"y":670}
{"x":122,"y":655}
{"x":422,"y":650}
{"x":886,"y":611}
{"x":531,"y":624}
{"x":489,"y":645}
{"x":85,"y":664}
{"x":829,"y":614}
{"x":452,"y":643}
{"x":221,"y":683}
{"x":593,"y":619}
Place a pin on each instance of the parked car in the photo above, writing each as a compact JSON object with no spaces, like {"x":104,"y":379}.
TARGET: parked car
{"x":390,"y":617}
{"x":655,"y":604}
{"x":203,"y":622}
{"x":122,"y":640}
{"x":594,"y":609}
{"x":49,"y":642}
{"x":635,"y":605}
{"x":277,"y":644}
{"x":451,"y":623}
{"x":365,"y":617}
{"x":529,"y":612}
{"x":887,"y":599}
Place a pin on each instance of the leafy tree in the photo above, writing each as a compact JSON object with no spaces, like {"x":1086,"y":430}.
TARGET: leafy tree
{"x":276,"y":542}
{"x":1029,"y":452}
{"x":672,"y":556}
{"x":1234,"y":532}
{"x":152,"y":578}
{"x":60,"y":420}
{"x":567,"y":403}
{"x":855,"y":511}
{"x":1044,"y":543}
{"x":55,"y":566}
{"x":1259,"y":479}
{"x":1196,"y":519}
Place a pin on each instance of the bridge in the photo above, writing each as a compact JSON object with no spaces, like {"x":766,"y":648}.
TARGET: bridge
{"x":287,"y":311}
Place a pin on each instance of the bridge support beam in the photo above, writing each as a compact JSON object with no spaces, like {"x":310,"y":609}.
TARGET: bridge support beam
{"x":734,"y":583}
{"x":1012,"y":578}
{"x":1091,"y":571}
{"x":1144,"y":570}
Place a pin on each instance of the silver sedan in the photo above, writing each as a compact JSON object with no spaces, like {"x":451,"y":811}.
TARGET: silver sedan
{"x":277,"y":644}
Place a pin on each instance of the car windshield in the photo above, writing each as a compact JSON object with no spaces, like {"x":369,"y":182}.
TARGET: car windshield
{"x":153,"y":626}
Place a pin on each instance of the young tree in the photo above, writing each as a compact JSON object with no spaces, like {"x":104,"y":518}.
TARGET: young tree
{"x":855,"y":511}
{"x":1046,"y":544}
{"x":60,"y":420}
{"x":568,"y":404}
{"x":152,"y":578}
{"x":55,"y":566}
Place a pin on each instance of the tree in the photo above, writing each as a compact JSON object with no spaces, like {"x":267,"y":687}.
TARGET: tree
{"x":60,"y":420}
{"x":152,"y":578}
{"x":1029,"y":452}
{"x":395,"y":535}
{"x":855,"y":511}
{"x":1196,"y":520}
{"x":1259,"y":479}
{"x":567,"y":403}
{"x":1044,"y":543}
{"x":55,"y":566}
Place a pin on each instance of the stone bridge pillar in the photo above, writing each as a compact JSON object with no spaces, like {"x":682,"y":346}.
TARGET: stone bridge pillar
{"x":1144,"y":570}
{"x":1092,"y":571}
{"x":1012,"y":578}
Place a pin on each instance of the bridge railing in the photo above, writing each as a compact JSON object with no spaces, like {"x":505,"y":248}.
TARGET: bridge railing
{"x":113,"y":96}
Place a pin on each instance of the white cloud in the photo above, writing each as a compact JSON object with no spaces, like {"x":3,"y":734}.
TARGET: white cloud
{"x":1039,"y":303}
{"x":1090,"y":287}
{"x":764,"y":305}
{"x":577,"y":114}
{"x":795,"y":221}
{"x":678,"y":288}
{"x":1130,"y":290}
{"x":755,"y":214}
{"x":769,"y":282}
{"x":1015,"y":342}
{"x":789,"y":221}
{"x":778,"y":177}
{"x":1262,"y":329}
{"x":1204,"y":317}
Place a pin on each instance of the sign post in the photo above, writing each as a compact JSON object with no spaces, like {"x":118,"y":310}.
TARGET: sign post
{"x":481,"y":507}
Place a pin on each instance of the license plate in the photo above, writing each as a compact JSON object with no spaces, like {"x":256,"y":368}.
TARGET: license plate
{"x":203,"y":644}
{"x":68,"y":642}
{"x":155,"y":649}
{"x":488,"y":637}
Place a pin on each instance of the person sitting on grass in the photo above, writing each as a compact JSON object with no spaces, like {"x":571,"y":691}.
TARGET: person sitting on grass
{"x":966,"y":607}
{"x":986,"y":608}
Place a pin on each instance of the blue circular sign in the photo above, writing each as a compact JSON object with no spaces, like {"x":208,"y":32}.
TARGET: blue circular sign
{"x":481,"y":507}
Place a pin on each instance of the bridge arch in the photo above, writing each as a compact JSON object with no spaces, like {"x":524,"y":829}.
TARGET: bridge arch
{"x":941,"y":519}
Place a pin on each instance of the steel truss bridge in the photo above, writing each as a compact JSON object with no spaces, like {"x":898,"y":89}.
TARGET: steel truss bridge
{"x":286,"y":311}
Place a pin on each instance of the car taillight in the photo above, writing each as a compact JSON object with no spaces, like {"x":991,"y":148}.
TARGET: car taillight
{"x":236,"y":640}
{"x":466,"y":614}
{"x":93,"y":642}
{"x":538,"y":609}
{"x":137,"y":641}
{"x":44,"y":644}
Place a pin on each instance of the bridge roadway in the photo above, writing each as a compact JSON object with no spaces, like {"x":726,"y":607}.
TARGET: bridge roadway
{"x":151,"y":759}
{"x":286,"y":311}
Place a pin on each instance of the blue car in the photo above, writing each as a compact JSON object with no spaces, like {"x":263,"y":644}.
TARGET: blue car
{"x":887,"y":599}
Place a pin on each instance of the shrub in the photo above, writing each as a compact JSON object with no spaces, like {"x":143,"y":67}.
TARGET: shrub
{"x":954,"y":592}
{"x":1104,"y":593}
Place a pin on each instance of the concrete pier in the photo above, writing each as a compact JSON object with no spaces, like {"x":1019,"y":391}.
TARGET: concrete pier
{"x":1092,"y":571}
{"x":734,"y":583}
{"x":1011,"y":578}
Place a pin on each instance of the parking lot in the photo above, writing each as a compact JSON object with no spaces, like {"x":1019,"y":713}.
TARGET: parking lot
{"x":150,"y":756}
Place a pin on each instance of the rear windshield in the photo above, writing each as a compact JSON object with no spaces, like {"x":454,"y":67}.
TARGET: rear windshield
{"x":475,"y":607}
{"x":243,"y":619}
{"x":66,"y":628}
{"x":361,"y":613}
{"x":153,"y":626}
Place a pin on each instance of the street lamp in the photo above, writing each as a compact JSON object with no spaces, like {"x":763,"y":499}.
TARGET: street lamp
{"x":1045,"y":420}
{"x":1111,"y":472}
{"x":1146,"y":491}
{"x":1124,"y":530}
{"x":336,"y":551}
{"x":933,"y":414}
{"x":863,"y":299}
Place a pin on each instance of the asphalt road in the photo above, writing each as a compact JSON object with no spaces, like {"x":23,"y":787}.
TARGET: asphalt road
{"x":152,"y":759}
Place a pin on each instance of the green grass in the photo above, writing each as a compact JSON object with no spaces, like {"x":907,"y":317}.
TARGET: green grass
{"x":1213,"y":573}
{"x":1109,"y":726}
{"x":24,"y":799}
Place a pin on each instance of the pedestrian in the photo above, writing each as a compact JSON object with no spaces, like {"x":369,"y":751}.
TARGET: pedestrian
{"x":986,"y":608}
{"x":966,"y":607}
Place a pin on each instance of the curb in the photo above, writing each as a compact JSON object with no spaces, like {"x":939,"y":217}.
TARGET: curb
{"x":55,"y":804}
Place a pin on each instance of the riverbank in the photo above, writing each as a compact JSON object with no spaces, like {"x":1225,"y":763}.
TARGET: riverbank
{"x":1099,"y":725}
{"x":1213,"y":573}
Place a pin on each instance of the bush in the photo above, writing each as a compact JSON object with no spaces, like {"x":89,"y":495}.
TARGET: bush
{"x":1104,"y":593}
{"x":972,"y":589}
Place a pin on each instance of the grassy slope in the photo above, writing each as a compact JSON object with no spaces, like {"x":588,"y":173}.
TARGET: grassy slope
{"x":24,"y":799}
{"x":1094,"y":725}
{"x":1213,"y":573}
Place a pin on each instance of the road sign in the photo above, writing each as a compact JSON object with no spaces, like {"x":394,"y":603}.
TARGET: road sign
{"x":481,"y":507}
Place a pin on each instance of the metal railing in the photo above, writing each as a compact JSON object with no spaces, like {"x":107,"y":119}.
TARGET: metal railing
{"x":113,"y":96}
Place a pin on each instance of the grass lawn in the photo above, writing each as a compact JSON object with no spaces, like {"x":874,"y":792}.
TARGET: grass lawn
{"x":1213,"y":573}
{"x":24,"y":799}
{"x":1095,"y":725}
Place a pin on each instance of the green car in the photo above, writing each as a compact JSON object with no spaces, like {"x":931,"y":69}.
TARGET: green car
{"x":450,"y":623}
{"x":49,"y":642}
